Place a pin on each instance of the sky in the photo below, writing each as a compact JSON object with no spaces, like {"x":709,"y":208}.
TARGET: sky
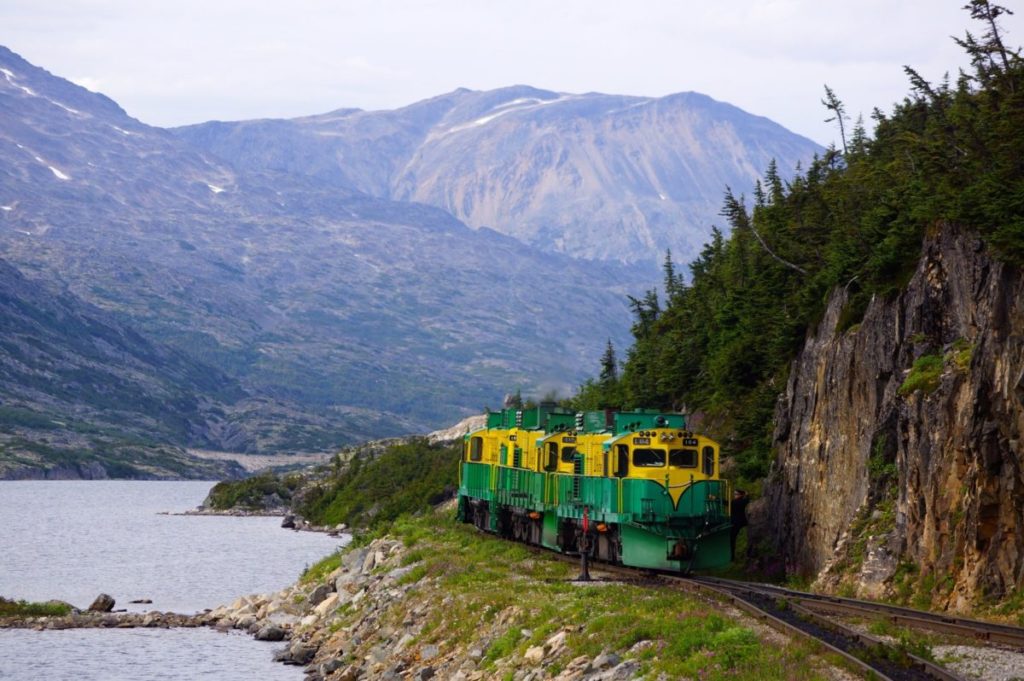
{"x":189,"y":61}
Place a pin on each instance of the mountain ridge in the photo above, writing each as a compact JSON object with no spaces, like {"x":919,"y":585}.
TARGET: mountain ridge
{"x":596,"y":176}
{"x":343,"y":316}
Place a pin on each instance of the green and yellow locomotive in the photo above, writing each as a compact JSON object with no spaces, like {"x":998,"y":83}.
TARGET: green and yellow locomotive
{"x":646,"y":488}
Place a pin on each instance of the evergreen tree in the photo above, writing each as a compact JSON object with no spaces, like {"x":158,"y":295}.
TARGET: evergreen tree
{"x":723,"y":343}
{"x":833,"y":104}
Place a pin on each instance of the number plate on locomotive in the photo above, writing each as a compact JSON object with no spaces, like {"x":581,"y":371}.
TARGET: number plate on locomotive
{"x":568,"y":439}
{"x":641,"y":440}
{"x":690,"y":442}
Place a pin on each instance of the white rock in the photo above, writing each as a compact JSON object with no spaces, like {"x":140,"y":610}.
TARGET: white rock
{"x":557,"y":641}
{"x":326,"y":605}
{"x":283,"y":619}
{"x":534,"y":655}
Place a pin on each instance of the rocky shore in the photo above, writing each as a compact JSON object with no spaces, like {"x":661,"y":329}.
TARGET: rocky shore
{"x":339,"y":629}
{"x":435,"y":599}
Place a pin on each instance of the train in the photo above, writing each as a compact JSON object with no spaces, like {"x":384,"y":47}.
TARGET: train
{"x":634,"y":488}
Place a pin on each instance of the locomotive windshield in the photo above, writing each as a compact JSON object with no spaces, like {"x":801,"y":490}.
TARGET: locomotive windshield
{"x":649,"y":458}
{"x":683,"y":458}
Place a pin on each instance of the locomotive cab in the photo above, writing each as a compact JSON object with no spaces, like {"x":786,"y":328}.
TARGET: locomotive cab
{"x":672,"y":458}
{"x":557,"y":452}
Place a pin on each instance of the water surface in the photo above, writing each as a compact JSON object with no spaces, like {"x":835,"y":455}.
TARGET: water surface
{"x":72,"y":540}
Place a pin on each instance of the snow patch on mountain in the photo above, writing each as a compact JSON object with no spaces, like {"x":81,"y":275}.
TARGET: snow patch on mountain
{"x":9,"y":75}
{"x":508,"y":107}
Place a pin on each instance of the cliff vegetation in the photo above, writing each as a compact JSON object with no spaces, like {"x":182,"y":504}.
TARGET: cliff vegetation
{"x":722,"y":340}
{"x":855,"y":342}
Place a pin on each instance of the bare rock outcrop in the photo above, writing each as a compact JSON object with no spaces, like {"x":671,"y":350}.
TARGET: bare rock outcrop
{"x":899,"y":439}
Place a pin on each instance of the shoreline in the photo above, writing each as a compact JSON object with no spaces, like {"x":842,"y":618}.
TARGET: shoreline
{"x":419,"y":603}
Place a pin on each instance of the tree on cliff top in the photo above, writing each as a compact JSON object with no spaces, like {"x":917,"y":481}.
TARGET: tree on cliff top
{"x":724,"y":342}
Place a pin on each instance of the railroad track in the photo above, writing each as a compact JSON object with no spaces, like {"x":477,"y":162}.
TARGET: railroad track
{"x":988,"y":632}
{"x":872,"y":657}
{"x":814,"y":617}
{"x":803,"y":616}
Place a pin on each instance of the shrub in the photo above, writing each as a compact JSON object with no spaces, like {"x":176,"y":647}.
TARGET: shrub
{"x":924,"y":375}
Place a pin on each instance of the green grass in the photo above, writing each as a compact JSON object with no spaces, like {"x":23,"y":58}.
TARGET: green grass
{"x":924,"y":375}
{"x":962,"y":353}
{"x":319,"y":570}
{"x":11,"y":608}
{"x":404,"y":478}
{"x":503,"y":598}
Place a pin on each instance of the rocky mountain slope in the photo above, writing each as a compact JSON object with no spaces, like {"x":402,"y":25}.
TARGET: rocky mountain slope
{"x":374,"y":317}
{"x":899,"y":439}
{"x":82,"y":395}
{"x":596,"y":176}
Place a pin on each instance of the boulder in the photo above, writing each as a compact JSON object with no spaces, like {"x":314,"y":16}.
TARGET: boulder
{"x":326,"y":605}
{"x":301,"y":653}
{"x":270,"y":632}
{"x":604,"y":660}
{"x":288,"y":522}
{"x":103,"y":603}
{"x":350,"y":673}
{"x":534,"y":655}
{"x":319,"y":594}
{"x":354,"y":558}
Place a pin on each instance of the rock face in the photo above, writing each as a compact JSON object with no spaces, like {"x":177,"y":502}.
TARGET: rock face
{"x":874,"y":479}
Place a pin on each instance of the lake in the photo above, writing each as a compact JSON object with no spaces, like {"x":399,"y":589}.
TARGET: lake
{"x":72,"y":540}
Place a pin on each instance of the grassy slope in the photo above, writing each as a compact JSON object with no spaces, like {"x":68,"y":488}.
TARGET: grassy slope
{"x":478,"y":591}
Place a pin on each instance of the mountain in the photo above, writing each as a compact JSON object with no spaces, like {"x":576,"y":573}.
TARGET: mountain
{"x":340,"y":316}
{"x":83,"y":396}
{"x":595,"y":176}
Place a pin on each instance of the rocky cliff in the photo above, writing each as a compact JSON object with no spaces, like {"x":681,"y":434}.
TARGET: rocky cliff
{"x":898,"y":439}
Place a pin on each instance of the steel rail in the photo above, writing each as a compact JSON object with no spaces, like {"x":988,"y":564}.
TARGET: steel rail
{"x":915,"y":667}
{"x":859,"y":651}
{"x":990,"y":632}
{"x":864,"y":653}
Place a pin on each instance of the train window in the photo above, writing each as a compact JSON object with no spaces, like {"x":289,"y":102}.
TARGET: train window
{"x":567,"y":454}
{"x":649,"y":458}
{"x":709,"y":461}
{"x":552,"y":462}
{"x":476,"y":448}
{"x":622,"y":469}
{"x":683,"y":458}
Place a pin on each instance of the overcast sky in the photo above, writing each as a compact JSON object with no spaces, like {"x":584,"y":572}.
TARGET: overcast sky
{"x":173,"y":63}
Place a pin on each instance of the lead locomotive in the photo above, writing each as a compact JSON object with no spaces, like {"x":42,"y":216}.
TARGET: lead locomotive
{"x":648,"y":486}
